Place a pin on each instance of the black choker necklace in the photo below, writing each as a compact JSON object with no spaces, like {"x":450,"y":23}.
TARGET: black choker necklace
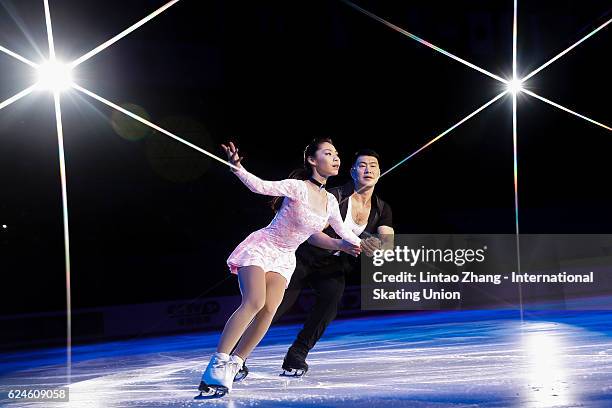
{"x":316,"y":183}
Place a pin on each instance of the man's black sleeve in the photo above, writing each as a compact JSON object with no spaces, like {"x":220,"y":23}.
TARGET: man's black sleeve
{"x":386,"y":218}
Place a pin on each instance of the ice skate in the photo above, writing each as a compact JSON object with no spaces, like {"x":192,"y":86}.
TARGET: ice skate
{"x":242,"y":373}
{"x":219,"y":376}
{"x":294,"y":364}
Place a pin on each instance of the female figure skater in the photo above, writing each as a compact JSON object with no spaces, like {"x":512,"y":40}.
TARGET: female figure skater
{"x":265,"y":260}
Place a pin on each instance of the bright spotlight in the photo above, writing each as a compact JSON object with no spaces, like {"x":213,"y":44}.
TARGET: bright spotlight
{"x":515,"y":86}
{"x":54,"y":76}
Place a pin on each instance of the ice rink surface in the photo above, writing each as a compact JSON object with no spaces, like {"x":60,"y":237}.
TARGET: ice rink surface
{"x":435,"y":359}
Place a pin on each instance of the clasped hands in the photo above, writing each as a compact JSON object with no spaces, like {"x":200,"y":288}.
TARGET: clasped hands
{"x":367,"y":246}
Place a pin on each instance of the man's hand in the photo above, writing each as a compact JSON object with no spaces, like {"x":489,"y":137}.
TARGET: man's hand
{"x":370,"y":244}
{"x":349,"y":248}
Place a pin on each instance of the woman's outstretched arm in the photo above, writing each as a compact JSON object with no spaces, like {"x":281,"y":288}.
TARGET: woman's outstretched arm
{"x":285,"y":188}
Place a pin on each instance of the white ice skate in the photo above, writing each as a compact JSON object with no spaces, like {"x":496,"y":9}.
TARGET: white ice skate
{"x":219,"y":376}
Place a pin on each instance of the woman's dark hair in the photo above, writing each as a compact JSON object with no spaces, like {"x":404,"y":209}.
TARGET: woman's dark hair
{"x":305,"y":172}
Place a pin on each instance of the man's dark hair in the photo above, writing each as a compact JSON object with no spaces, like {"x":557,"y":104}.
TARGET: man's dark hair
{"x":365,"y":152}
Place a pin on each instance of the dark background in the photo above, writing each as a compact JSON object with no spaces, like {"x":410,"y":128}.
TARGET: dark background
{"x":151,"y":220}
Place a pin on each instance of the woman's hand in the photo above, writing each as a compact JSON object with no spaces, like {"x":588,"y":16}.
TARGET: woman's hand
{"x":232,"y":155}
{"x":370,"y":244}
{"x":349,"y":248}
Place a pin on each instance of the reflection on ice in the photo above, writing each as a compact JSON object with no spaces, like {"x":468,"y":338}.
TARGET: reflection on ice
{"x":546,"y":360}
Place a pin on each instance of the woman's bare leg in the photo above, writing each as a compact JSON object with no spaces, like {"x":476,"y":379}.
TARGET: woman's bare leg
{"x":275,"y":288}
{"x":252,"y":281}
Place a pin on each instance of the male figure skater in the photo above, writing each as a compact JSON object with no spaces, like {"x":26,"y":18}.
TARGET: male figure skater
{"x":323,"y":267}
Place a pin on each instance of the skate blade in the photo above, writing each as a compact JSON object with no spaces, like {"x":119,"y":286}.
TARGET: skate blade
{"x":293,"y":373}
{"x":210,"y":391}
{"x":241,"y":375}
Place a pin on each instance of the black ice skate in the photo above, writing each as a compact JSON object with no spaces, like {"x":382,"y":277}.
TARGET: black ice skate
{"x":294,"y":364}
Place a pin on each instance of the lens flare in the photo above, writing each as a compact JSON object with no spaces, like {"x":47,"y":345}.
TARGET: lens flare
{"x":54,"y":76}
{"x":515,"y":86}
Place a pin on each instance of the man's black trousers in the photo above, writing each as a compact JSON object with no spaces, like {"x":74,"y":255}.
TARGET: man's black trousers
{"x":326,"y":277}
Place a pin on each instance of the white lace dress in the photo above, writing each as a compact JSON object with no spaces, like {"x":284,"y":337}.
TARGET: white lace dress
{"x":273,"y":248}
